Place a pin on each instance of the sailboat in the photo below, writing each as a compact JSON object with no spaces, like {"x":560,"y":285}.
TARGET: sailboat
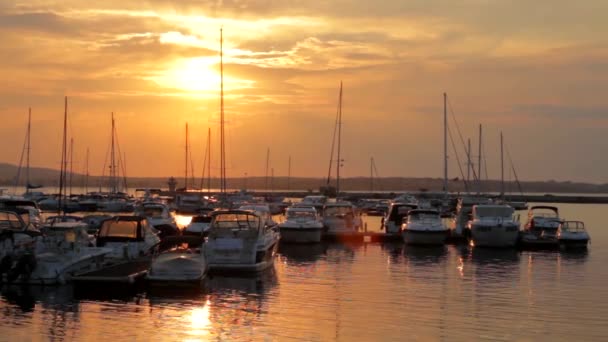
{"x":339,"y":217}
{"x":116,"y":201}
{"x":26,"y":150}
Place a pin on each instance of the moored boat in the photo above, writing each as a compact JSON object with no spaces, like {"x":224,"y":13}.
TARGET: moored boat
{"x":240,"y":240}
{"x":493,"y":226}
{"x":129,"y":237}
{"x":572,"y":235}
{"x":179,"y":266}
{"x":540,"y":231}
{"x":303,"y":225}
{"x":424,"y":227}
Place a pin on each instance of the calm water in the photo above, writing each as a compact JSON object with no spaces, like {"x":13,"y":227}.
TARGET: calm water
{"x":372,"y":292}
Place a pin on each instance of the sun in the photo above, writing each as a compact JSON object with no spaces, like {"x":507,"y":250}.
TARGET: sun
{"x":197,"y":75}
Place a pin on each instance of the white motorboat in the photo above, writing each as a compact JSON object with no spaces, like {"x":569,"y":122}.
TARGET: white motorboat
{"x":53,"y":258}
{"x":263,"y":210}
{"x":459,"y":226}
{"x":179,"y":265}
{"x":302,"y":225}
{"x":316,"y":201}
{"x":572,"y":235}
{"x":240,"y":240}
{"x":129,"y":237}
{"x":341,"y":218}
{"x":493,"y":226}
{"x":159,"y":216}
{"x":198,"y":226}
{"x":541,"y":228}
{"x":397,"y":212}
{"x":424,"y":227}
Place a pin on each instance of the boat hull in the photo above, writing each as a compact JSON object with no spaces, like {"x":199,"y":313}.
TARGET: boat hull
{"x":424,"y":237}
{"x":531,"y":240}
{"x":571,"y":244}
{"x":187,"y":267}
{"x":494,"y":236}
{"x":241,"y":261}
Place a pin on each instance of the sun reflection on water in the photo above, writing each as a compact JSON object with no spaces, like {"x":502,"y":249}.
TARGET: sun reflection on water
{"x":199,"y":322}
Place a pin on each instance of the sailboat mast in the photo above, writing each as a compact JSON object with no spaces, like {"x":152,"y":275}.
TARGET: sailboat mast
{"x":445,"y":145}
{"x":339,"y":161}
{"x":186,"y":170}
{"x":266,"y":172}
{"x":371,"y":174}
{"x":71,"y":163}
{"x":86,"y":173}
{"x":289,"y":174}
{"x":63,"y":155}
{"x":112,"y":161}
{"x":479,"y":163}
{"x":502,"y":169}
{"x":27,"y":158}
{"x":209,"y":160}
{"x":469,"y":166}
{"x":222,"y":140}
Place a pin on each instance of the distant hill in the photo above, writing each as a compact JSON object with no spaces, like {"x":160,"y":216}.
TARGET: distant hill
{"x":50,"y":178}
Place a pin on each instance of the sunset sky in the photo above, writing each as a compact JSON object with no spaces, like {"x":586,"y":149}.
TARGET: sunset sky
{"x":537,"y":70}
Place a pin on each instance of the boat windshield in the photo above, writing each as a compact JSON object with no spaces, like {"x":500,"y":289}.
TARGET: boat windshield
{"x":236,"y":221}
{"x":300,"y":214}
{"x":154,"y":212}
{"x":423,"y":216}
{"x":573,"y":226}
{"x":10,"y":221}
{"x":338,"y":211}
{"x":201,"y":219}
{"x":124,"y":229}
{"x":545,"y":213}
{"x":493,"y":211}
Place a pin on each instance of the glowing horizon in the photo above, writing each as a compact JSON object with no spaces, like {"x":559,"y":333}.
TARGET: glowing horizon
{"x":532,"y":71}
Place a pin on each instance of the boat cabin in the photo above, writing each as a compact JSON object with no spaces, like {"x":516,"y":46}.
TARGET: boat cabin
{"x":123,"y":229}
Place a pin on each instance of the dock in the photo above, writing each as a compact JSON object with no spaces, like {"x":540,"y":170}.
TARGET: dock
{"x":126,"y":273}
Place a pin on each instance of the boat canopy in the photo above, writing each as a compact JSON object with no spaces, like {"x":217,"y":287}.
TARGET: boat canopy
{"x":11,"y":221}
{"x":235,"y":220}
{"x":573,"y":226}
{"x":122,"y":228}
{"x":504,"y":211}
{"x":423,"y":214}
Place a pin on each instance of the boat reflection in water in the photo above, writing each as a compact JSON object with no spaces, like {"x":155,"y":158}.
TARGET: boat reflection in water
{"x":425,"y":254}
{"x":302,"y":253}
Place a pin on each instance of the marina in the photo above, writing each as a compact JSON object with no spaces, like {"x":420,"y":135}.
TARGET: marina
{"x":446,"y":291}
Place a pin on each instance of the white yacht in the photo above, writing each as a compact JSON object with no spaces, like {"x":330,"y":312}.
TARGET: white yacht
{"x":459,"y":226}
{"x":263,"y":210}
{"x":129,"y":237}
{"x":316,"y":201}
{"x":198,"y":226}
{"x":493,"y":226}
{"x":28,"y":257}
{"x":179,"y":265}
{"x":302,"y":225}
{"x":341,"y":218}
{"x":397,"y":212}
{"x":541,"y":228}
{"x":424,"y":227}
{"x":240,"y":240}
{"x":159,"y":216}
{"x":572,"y":235}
